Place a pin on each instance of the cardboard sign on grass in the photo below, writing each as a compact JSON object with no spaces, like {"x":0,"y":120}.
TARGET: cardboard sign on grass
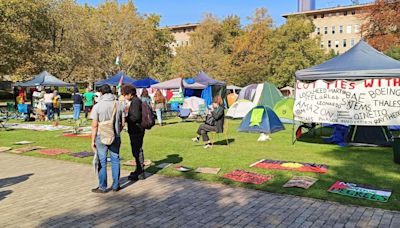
{"x":26,"y":149}
{"x":360,"y":191}
{"x":4,"y":149}
{"x":207,"y":170}
{"x":300,"y":182}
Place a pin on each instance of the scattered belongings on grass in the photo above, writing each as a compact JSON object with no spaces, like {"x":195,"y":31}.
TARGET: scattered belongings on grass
{"x":78,"y":135}
{"x":300,"y":182}
{"x":52,"y":152}
{"x":133,"y":163}
{"x":26,"y":149}
{"x":4,"y":149}
{"x":290,"y":165}
{"x":23,"y":142}
{"x":82,"y":154}
{"x":38,"y":127}
{"x":248,"y":177}
{"x":360,"y":191}
{"x":181,"y":168}
{"x":163,"y":165}
{"x":208,"y":170}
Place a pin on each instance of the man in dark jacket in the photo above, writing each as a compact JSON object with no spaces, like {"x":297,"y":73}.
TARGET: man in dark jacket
{"x":217,"y":124}
{"x":135,"y":131}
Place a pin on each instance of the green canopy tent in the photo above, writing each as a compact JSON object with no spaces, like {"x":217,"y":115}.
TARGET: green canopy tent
{"x":270,"y":95}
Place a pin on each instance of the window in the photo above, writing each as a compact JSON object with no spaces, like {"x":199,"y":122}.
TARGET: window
{"x":333,"y":29}
{"x":322,"y":44}
{"x":345,"y":13}
{"x":353,"y":12}
{"x":356,"y":28}
{"x":352,"y":42}
{"x":322,"y":15}
{"x":329,"y":43}
{"x":341,"y":29}
{"x":325,"y":30}
{"x":344,"y":42}
{"x":318,"y":31}
{"x":337,"y":43}
{"x":348,"y":29}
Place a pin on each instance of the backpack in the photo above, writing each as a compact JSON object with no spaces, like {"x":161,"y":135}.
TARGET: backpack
{"x":148,"y":119}
{"x":106,"y":128}
{"x":56,"y":102}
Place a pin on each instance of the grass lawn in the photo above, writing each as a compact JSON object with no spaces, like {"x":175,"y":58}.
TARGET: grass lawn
{"x":172,"y":143}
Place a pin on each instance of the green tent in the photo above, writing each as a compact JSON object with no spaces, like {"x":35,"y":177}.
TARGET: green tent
{"x":284,"y":108}
{"x":270,"y":95}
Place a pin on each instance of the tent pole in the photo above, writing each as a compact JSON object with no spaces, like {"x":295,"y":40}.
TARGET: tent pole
{"x":294,"y":139}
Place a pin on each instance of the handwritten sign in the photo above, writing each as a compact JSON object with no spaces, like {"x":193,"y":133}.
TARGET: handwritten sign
{"x":360,"y":191}
{"x":364,"y":102}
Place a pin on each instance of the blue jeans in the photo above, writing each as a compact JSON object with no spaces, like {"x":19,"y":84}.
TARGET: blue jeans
{"x":159,"y":116}
{"x":102,"y":151}
{"x":77,"y":111}
{"x":49,"y":110}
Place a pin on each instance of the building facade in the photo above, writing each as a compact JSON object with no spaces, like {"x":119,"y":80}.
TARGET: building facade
{"x":181,"y":34}
{"x":339,"y":27}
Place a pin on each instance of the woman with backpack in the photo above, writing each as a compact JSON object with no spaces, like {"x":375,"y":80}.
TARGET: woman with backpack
{"x":214,"y":122}
{"x":159,"y":105}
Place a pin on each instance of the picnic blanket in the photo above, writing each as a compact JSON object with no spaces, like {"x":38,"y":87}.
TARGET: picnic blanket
{"x":4,"y":149}
{"x":26,"y":149}
{"x":53,"y":152}
{"x":82,"y":154}
{"x":360,"y":191}
{"x":248,"y":177}
{"x":290,"y":165}
{"x":256,"y":117}
{"x":300,"y":182}
{"x":207,"y":170}
{"x":38,"y":127}
{"x":133,"y":163}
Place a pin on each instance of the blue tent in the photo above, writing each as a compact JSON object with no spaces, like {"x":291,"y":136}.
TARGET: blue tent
{"x":261,"y":119}
{"x":360,"y":62}
{"x":145,"y":83}
{"x":114,"y":80}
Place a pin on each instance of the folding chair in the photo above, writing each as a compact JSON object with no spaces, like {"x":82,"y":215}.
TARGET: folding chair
{"x":202,"y":112}
{"x":225,"y":133}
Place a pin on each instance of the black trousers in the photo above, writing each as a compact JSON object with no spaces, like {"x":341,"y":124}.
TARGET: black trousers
{"x":87,"y":110}
{"x":137,"y":151}
{"x":204,"y":129}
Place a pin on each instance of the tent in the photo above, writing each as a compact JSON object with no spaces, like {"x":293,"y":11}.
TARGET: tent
{"x":270,"y":95}
{"x":175,"y":83}
{"x":284,"y":110}
{"x":239,"y":109}
{"x":360,"y":62}
{"x":145,"y":83}
{"x":44,"y":79}
{"x":114,"y":80}
{"x":261,"y":119}
{"x":369,"y":136}
{"x":234,"y":88}
{"x":247,"y":93}
{"x":206,"y":80}
{"x":193,"y":103}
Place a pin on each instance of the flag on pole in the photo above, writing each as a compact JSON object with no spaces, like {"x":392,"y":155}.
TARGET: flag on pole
{"x":117,"y":60}
{"x":120,"y":84}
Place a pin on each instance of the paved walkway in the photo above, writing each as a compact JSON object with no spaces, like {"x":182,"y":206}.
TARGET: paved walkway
{"x":50,"y":193}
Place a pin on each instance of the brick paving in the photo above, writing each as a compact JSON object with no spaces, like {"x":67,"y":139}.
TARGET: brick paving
{"x":37,"y":192}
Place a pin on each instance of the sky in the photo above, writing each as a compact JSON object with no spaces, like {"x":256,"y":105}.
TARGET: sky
{"x":176,"y":12}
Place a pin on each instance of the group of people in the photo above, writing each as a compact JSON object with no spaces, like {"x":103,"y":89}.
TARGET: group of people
{"x":47,"y":104}
{"x":110,"y":112}
{"x":87,"y":99}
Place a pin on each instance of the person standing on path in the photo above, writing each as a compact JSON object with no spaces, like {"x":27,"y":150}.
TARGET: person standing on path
{"x":107,"y":109}
{"x":77,"y":97}
{"x":135,"y":130}
{"x":88,"y":97}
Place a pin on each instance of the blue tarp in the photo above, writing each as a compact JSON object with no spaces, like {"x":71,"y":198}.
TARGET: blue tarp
{"x":270,"y":122}
{"x":43,"y":79}
{"x":339,"y":134}
{"x":360,"y":62}
{"x":145,"y":83}
{"x":206,"y":94}
{"x":114,"y":80}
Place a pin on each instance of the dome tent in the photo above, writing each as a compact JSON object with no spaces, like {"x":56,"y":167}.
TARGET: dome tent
{"x":284,"y":110}
{"x":261,"y":119}
{"x":239,"y":109}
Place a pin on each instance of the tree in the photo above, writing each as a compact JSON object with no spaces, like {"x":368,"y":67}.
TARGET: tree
{"x":382,"y":24}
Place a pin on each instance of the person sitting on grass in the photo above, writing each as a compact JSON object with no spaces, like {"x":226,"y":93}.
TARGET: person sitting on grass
{"x":214,"y":122}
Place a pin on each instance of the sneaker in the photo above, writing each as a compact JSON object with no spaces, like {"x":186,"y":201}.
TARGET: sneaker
{"x":98,"y":190}
{"x":196,"y":140}
{"x":207,"y":146}
{"x":117,"y":189}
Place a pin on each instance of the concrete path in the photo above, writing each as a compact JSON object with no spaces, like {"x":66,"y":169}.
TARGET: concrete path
{"x":49,"y":193}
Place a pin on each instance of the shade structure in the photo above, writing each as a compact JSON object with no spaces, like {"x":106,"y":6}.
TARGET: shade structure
{"x":43,"y":79}
{"x":145,"y":83}
{"x":175,"y":83}
{"x":204,"y":79}
{"x":266,"y":121}
{"x":360,"y":62}
{"x":114,"y":80}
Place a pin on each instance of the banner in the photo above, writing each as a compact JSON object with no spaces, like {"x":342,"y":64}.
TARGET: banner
{"x":363,"y":102}
{"x":290,"y":165}
{"x":360,"y":191}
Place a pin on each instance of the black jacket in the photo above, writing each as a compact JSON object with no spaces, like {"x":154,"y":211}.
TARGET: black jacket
{"x":134,"y":117}
{"x":219,"y":117}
